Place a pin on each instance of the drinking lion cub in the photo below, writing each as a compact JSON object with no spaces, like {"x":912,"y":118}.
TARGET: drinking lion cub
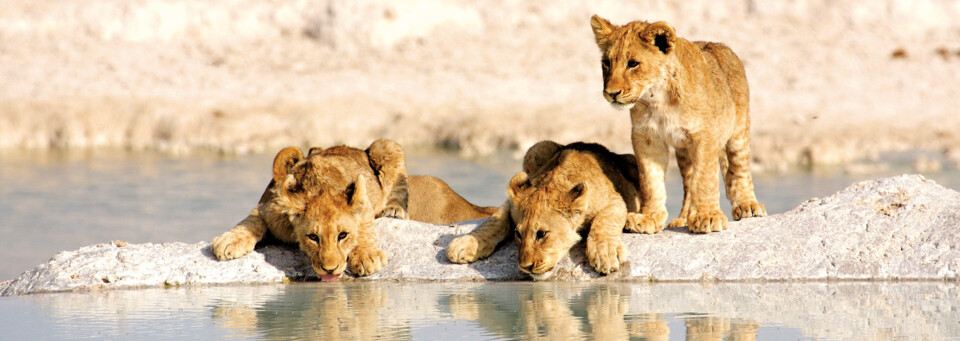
{"x":561,"y":191}
{"x":326,"y":202}
{"x":691,"y":96}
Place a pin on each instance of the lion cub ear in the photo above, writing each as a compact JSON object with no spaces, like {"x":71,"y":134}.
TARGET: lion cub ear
{"x":357,"y":195}
{"x":285,"y":159}
{"x":314,"y":150}
{"x":518,"y":183}
{"x":602,"y":29}
{"x":577,"y":198}
{"x":661,"y":35}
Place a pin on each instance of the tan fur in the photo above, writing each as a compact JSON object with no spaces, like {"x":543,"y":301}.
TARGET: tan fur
{"x":562,"y":191}
{"x":433,"y":201}
{"x":691,"y":96}
{"x":326,"y":202}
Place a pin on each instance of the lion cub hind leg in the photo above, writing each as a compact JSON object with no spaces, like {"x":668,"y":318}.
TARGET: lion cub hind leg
{"x":481,"y":242}
{"x":686,"y":173}
{"x":704,"y":214}
{"x":644,"y":223}
{"x":240,"y":240}
{"x":737,"y":179}
{"x":605,"y":250}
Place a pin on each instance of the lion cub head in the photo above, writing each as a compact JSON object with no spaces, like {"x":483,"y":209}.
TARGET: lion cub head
{"x":547,"y":217}
{"x":325,"y":206}
{"x":636,"y":59}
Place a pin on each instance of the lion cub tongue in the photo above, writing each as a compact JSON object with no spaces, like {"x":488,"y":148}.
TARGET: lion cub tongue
{"x":328,"y":278}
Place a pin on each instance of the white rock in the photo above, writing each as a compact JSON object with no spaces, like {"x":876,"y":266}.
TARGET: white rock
{"x":904,"y":227}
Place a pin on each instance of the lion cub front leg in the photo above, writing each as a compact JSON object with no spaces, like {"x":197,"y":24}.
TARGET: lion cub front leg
{"x":704,"y":215}
{"x":366,"y":258}
{"x":480,"y":242}
{"x":605,"y":249}
{"x":652,"y":163}
{"x":241,"y":239}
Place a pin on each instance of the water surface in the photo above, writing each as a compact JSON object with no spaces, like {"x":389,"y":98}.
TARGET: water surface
{"x":496,"y":311}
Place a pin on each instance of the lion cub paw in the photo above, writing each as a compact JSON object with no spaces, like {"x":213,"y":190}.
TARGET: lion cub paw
{"x":393,"y":212}
{"x":643,"y":223}
{"x":748,"y":209}
{"x":707,"y":221}
{"x":232,"y":245}
{"x":678,"y":222}
{"x":605,"y":256}
{"x":464,"y":249}
{"x":366,"y":261}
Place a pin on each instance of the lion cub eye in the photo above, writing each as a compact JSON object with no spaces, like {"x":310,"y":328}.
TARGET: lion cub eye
{"x":313,"y":237}
{"x":541,"y":234}
{"x":516,"y":234}
{"x":341,"y":236}
{"x":632,"y":64}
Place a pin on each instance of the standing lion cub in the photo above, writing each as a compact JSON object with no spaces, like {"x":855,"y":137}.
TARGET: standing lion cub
{"x":326,"y":202}
{"x":691,"y":96}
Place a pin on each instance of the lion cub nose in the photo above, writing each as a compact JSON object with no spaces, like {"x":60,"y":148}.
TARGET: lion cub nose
{"x":527,"y":268}
{"x":613,"y":95}
{"x":329,"y":271}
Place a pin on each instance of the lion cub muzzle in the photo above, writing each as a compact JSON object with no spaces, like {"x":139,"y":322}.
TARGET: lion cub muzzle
{"x":538,"y":270}
{"x":534,"y":260}
{"x":539,"y":273}
{"x":534,"y":267}
{"x":328,"y":264}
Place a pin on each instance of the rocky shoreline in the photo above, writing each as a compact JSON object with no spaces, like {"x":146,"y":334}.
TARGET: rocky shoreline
{"x":899,"y":228}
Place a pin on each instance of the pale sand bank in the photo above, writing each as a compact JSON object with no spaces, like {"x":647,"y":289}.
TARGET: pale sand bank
{"x":251,"y":76}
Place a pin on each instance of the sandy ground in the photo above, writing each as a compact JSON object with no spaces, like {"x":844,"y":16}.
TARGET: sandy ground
{"x":832,"y":82}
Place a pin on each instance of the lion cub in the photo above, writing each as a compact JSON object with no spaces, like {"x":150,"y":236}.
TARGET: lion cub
{"x":691,"y":96}
{"x":326,"y":202}
{"x":561,"y":191}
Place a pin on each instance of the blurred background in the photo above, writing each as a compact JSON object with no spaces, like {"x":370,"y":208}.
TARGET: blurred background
{"x":157,"y":120}
{"x":832,"y":82}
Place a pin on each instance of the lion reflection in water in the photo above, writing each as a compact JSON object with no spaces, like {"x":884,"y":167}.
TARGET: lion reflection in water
{"x":365,"y":311}
{"x":336,"y":312}
{"x":539,"y":314}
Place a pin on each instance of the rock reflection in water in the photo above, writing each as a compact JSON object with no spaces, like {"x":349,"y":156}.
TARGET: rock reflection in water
{"x":515,"y":310}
